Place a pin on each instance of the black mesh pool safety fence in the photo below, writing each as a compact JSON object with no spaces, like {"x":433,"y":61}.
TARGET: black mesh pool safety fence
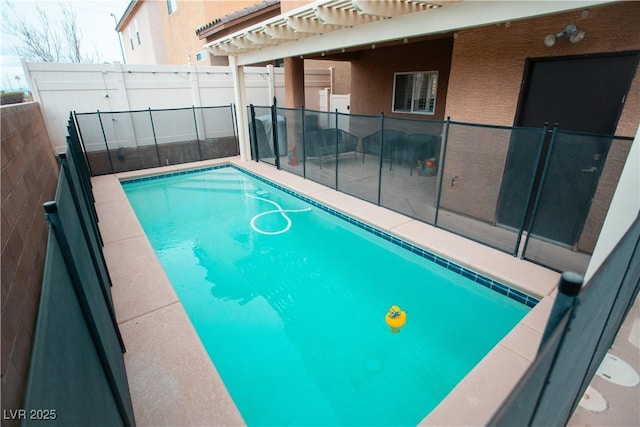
{"x":485,"y":189}
{"x":77,"y":373}
{"x":121,"y":141}
{"x":262,"y":147}
{"x":580,"y":176}
{"x":581,"y":329}
{"x":538,"y":193}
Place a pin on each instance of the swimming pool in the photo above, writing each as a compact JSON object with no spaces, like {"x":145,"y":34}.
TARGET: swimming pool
{"x":294,"y":321}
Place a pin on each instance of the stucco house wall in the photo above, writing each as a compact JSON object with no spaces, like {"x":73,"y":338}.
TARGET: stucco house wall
{"x":171,"y":38}
{"x":179,"y":27}
{"x":152,"y":49}
{"x":287,"y":5}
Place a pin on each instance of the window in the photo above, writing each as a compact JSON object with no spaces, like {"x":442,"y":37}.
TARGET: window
{"x":172,"y":5}
{"x":415,"y":92}
{"x":130,"y":38}
{"x":202,"y":55}
{"x":137,"y":31}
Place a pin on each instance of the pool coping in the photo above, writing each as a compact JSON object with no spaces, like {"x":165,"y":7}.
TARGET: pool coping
{"x":480,"y":392}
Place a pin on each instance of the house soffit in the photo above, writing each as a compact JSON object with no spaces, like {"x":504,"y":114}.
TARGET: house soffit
{"x":334,"y":26}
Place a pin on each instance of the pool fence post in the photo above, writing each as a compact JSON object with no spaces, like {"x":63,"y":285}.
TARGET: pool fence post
{"x":81,"y":167}
{"x":83,"y":150}
{"x":337,"y":151}
{"x":155,"y":141}
{"x":74,"y":147}
{"x":379,"y":156}
{"x":441,"y":167}
{"x":274,"y":128}
{"x":304,"y":157}
{"x":234,"y":126}
{"x":568,"y":289}
{"x":254,"y":142}
{"x":532,"y":218}
{"x":531,"y":190}
{"x":195,"y":122}
{"x":106,"y":144}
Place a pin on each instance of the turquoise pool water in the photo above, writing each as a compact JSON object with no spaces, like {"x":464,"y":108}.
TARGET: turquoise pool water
{"x":291,"y":305}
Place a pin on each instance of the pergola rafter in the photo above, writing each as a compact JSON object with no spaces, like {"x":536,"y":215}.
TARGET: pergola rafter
{"x":321,"y":17}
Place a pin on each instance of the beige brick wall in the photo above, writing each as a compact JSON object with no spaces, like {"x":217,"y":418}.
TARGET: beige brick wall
{"x":29,"y":177}
{"x":488,"y":62}
{"x":473,"y":171}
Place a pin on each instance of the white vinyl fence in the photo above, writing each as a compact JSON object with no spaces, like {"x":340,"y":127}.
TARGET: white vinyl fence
{"x":62,"y":88}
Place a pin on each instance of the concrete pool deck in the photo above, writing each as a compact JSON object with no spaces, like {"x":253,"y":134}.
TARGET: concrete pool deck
{"x":171,"y":377}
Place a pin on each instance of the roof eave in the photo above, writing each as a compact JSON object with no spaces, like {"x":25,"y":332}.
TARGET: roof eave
{"x":206,"y":31}
{"x":126,"y":15}
{"x":450,"y":17}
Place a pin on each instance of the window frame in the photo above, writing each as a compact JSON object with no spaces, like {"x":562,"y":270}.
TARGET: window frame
{"x":430,"y":93}
{"x":135,"y":22}
{"x":130,"y":38}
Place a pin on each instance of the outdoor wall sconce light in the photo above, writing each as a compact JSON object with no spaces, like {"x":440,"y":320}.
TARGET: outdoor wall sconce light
{"x":570,"y":31}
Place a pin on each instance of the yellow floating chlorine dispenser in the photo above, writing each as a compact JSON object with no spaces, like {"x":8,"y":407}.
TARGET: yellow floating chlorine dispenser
{"x":395,"y":318}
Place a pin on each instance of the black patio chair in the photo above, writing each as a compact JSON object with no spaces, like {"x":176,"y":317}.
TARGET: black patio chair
{"x":371,"y":143}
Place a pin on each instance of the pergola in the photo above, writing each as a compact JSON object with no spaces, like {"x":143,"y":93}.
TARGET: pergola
{"x":327,"y":27}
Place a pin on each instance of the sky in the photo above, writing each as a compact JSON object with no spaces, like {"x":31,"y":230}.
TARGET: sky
{"x":97,"y":29}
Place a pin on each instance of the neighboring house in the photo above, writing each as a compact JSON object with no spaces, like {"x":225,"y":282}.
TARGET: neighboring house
{"x":173,"y":32}
{"x":163,"y":32}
